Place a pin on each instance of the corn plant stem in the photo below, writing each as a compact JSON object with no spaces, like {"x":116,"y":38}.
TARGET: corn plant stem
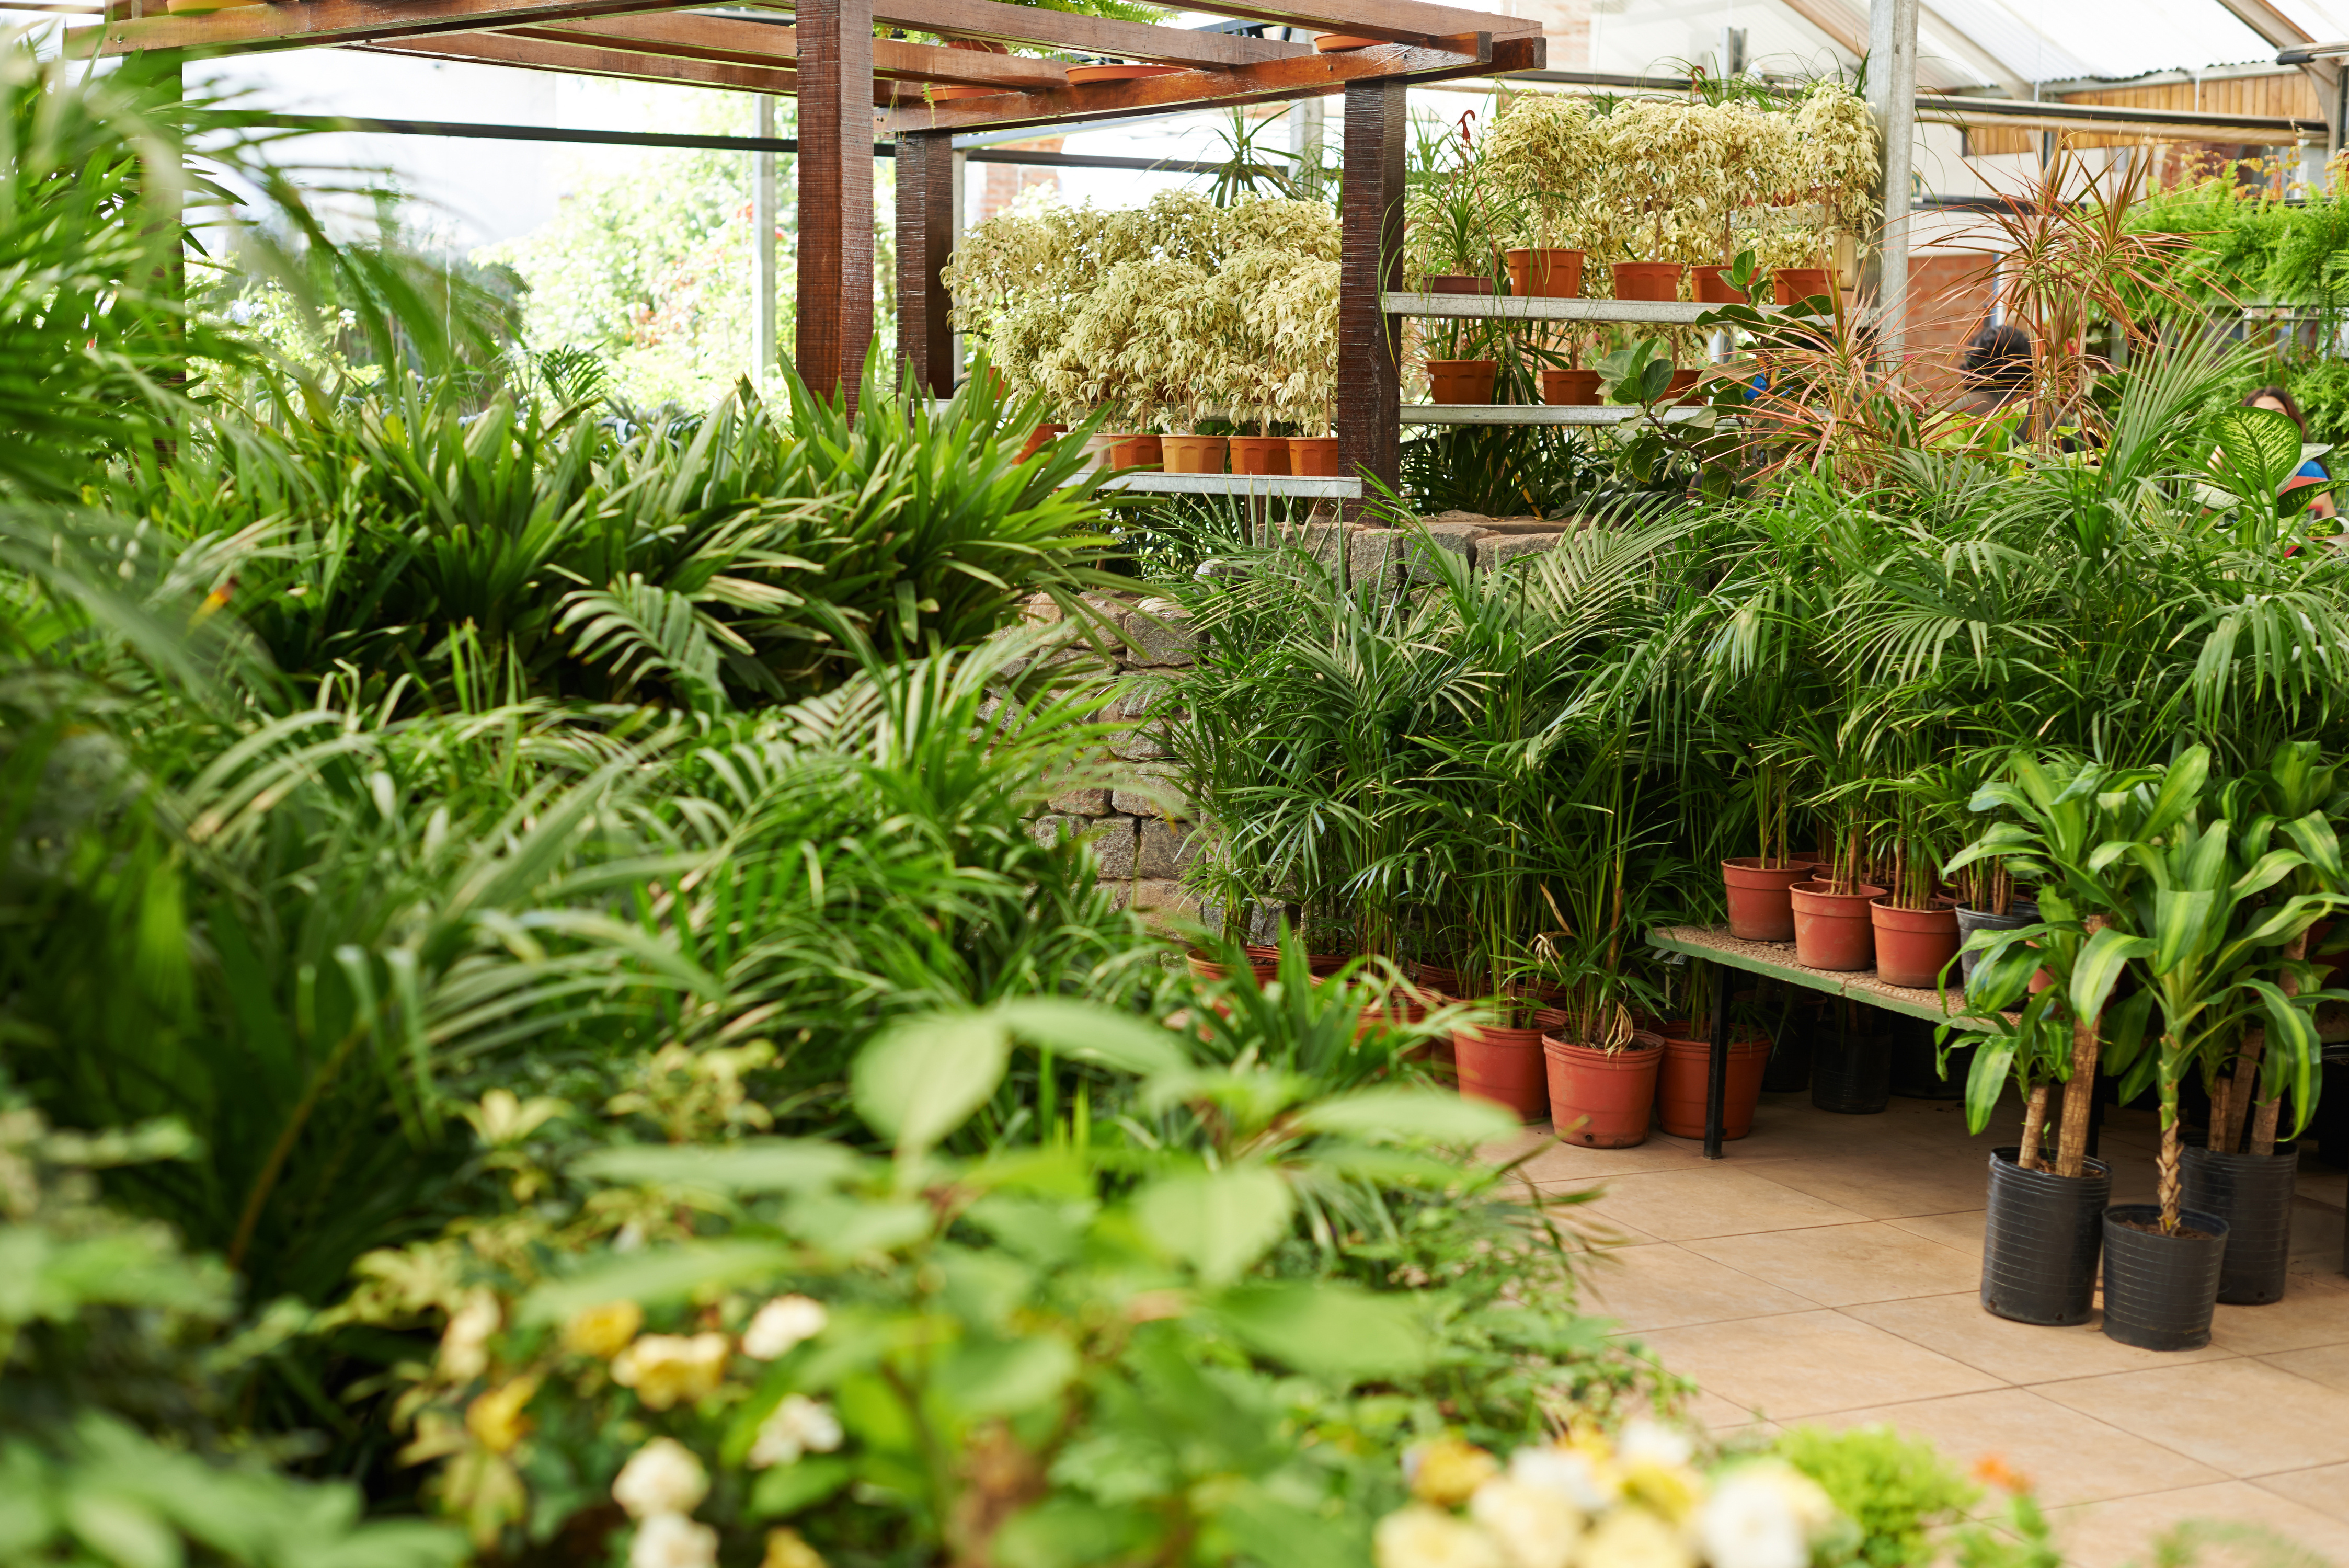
{"x":2080,"y":1088}
{"x":2035,"y":1118}
{"x":2263,"y":1124}
{"x":2166,"y":1188}
{"x":2227,"y":1123}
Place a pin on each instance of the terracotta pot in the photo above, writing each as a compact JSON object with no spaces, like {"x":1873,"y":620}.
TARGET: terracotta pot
{"x":1545,"y":273}
{"x":1503,"y":1065}
{"x":1436,"y":978}
{"x":1648,"y":280}
{"x":1833,"y":931}
{"x":1713,"y":287}
{"x":1598,"y":1100}
{"x":1261,"y":454}
{"x":1793,"y":284}
{"x":1458,"y":282}
{"x":1136,"y":451}
{"x":1323,"y":965}
{"x":1681,"y":1082}
{"x":1194,"y":453}
{"x":1338,"y":43}
{"x":1758,"y":907}
{"x":1080,"y":74}
{"x":1462,"y":380}
{"x":1313,"y":457}
{"x":1911,"y":945}
{"x":1682,"y":387}
{"x":1204,"y":967}
{"x":1038,"y":437}
{"x":1571,"y":389}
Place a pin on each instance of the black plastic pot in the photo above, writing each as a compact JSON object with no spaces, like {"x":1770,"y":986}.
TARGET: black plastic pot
{"x":1852,"y":1071}
{"x":1789,"y":1069}
{"x":2040,"y":1241}
{"x":2020,"y":912}
{"x":2252,"y":1193}
{"x":1916,"y":1063}
{"x":2159,"y":1291}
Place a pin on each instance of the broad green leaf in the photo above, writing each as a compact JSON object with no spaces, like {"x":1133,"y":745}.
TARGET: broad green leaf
{"x":667,"y":1274}
{"x":1219,"y":1221}
{"x":2295,"y":1053}
{"x":2271,"y":868}
{"x":2182,"y":786}
{"x":2314,"y":837}
{"x":1088,"y":1032}
{"x":754,"y":1165}
{"x":2124,"y":1040}
{"x":1986,"y":1080}
{"x":2259,"y":448}
{"x":1065,"y":1531}
{"x":922,"y":1078}
{"x":1410,"y":1114}
{"x":2181,"y":925}
{"x":786,"y":1489}
{"x":1006,"y":1376}
{"x":1328,"y":1328}
{"x":2102,"y":958}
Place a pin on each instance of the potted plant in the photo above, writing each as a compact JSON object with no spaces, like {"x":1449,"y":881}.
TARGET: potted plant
{"x":1601,"y":1072}
{"x":1833,"y":928}
{"x":1546,"y":150}
{"x":1916,"y":927}
{"x":1654,"y":153}
{"x":1834,"y":172}
{"x":1759,"y":908}
{"x":1452,"y":210}
{"x":1684,"y":1073}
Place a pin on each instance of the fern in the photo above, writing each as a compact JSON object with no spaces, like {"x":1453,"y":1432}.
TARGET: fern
{"x":643,"y":631}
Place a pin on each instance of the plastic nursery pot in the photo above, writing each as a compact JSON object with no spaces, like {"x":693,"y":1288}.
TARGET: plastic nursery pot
{"x":1852,"y":1071}
{"x":1832,"y":930}
{"x":1789,"y":1070}
{"x":1503,"y":1065}
{"x":2252,"y":1193}
{"x":1648,"y":280}
{"x":1194,"y":453}
{"x":1101,"y":450}
{"x":1571,"y":389}
{"x":1911,"y":945}
{"x":2160,"y":1290}
{"x":2021,"y":912}
{"x":1545,"y":273}
{"x":1791,"y":285}
{"x":1038,"y":437}
{"x":1313,"y":457}
{"x":1462,"y":380}
{"x":1681,"y":1082}
{"x":1598,"y":1100}
{"x":1261,"y":454}
{"x":1759,"y":909}
{"x":1458,"y":282}
{"x":1136,"y":451}
{"x":1916,"y":1063}
{"x":2040,"y":1240}
{"x":1338,"y":43}
{"x":1713,"y":287}
{"x":1080,"y":74}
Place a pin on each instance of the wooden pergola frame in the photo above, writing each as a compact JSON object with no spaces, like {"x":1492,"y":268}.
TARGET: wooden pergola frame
{"x":854,"y":87}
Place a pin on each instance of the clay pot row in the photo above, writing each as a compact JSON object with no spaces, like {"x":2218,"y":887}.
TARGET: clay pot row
{"x":1599,"y":1099}
{"x":1855,"y":929}
{"x":1471,"y":381}
{"x":1558,"y":275}
{"x":1303,"y":456}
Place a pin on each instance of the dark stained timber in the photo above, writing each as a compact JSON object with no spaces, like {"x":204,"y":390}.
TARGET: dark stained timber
{"x":835,"y":174}
{"x":925,"y":240}
{"x":1370,"y":341}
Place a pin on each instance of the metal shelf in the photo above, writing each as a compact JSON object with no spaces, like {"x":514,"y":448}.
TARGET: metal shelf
{"x":1530,"y":414}
{"x":1530,"y":307}
{"x":1254,"y":485}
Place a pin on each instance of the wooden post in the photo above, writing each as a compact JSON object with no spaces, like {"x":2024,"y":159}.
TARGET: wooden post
{"x":1892,"y":94}
{"x":925,"y":173}
{"x":835,"y":182}
{"x":1370,"y":341}
{"x":763,"y":355}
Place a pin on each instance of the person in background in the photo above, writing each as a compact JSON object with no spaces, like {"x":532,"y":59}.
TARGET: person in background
{"x":2309,"y":472}
{"x":1996,"y":366}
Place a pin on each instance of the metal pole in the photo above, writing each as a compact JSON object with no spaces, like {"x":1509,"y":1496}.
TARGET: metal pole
{"x":1716,"y":1069}
{"x":763,"y":357}
{"x":1892,"y":94}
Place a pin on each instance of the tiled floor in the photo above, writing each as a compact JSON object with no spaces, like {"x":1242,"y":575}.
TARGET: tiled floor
{"x":1826,"y":1272}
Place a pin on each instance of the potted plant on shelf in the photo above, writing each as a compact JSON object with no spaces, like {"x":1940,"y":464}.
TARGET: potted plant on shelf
{"x":1546,"y":151}
{"x":1452,"y":210}
{"x":1655,"y":152}
{"x":1916,"y":927}
{"x":1834,"y":172}
{"x":1684,"y":1072}
{"x":1834,"y":929}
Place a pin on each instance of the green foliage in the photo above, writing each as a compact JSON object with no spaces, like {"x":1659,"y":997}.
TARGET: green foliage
{"x":1896,"y":1489}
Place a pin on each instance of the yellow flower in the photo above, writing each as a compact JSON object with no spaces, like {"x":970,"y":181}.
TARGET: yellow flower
{"x":1420,"y":1537}
{"x":496,"y":1417}
{"x":786,"y":1550}
{"x":1448,"y":1472}
{"x":1634,"y":1537}
{"x":465,"y":1343}
{"x":603,"y":1332}
{"x":1670,"y":1491}
{"x":665,"y":1369}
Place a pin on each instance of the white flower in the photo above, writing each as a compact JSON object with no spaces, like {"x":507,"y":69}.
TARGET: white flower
{"x":662,"y":1477}
{"x":673,"y":1540}
{"x":1750,"y":1522}
{"x":465,"y":1343}
{"x":1534,"y":1526}
{"x":1651,"y":1442}
{"x":1424,"y":1537}
{"x":1570,"y":1472}
{"x":783,"y":1324}
{"x":799,"y":1425}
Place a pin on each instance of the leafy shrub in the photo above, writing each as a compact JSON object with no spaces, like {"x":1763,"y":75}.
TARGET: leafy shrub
{"x":1896,"y":1489}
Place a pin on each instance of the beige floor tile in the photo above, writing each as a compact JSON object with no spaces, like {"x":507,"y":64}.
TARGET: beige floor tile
{"x":2239,"y":1416}
{"x":1666,"y":1286}
{"x":1838,"y":1265}
{"x":1884,"y":1186}
{"x":2325,"y":1364}
{"x":2021,"y":1352}
{"x":1808,"y":1363}
{"x":2314,"y":1311}
{"x":2069,"y":1457}
{"x":1717,"y":1415}
{"x":2110,"y":1534}
{"x":1566,"y":1164}
{"x":1962,"y":1231}
{"x":2316,"y":1235}
{"x":1712,"y":1200}
{"x":2320,"y":1185}
{"x":2324,"y":1488}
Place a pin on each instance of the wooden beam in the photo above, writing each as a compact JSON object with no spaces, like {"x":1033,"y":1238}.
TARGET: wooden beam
{"x":836,"y":207}
{"x":686,"y":36}
{"x":1370,"y":341}
{"x":925,"y":170}
{"x":295,"y":23}
{"x":1306,"y":76}
{"x":591,"y":60}
{"x":1827,"y":17}
{"x":1397,"y":21}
